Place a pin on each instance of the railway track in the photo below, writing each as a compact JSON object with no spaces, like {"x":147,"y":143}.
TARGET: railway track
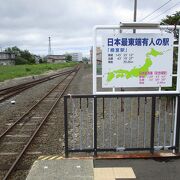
{"x":36,"y":116}
{"x":9,"y":92}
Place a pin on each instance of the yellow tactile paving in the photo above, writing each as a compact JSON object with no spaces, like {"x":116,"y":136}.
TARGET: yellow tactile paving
{"x":60,"y":157}
{"x":50,"y":157}
{"x":114,"y":173}
{"x":54,"y":157}
{"x":46,"y":158}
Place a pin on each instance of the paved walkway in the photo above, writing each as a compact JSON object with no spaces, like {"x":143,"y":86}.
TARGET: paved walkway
{"x":118,"y":169}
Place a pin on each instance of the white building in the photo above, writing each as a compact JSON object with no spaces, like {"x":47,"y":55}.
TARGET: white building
{"x":76,"y":56}
{"x":7,"y":58}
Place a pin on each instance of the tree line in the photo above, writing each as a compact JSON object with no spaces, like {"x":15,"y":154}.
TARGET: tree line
{"x":21,"y":56}
{"x":25,"y":57}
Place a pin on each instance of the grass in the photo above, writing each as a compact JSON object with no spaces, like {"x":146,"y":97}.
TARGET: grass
{"x":10,"y":72}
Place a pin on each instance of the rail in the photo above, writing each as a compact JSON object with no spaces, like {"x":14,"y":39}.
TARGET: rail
{"x":9,"y":92}
{"x":51,"y":108}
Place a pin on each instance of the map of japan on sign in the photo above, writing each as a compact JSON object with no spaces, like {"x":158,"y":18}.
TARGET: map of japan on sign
{"x":137,"y":60}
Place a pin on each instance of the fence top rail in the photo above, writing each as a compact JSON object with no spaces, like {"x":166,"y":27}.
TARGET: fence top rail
{"x":120,"y":95}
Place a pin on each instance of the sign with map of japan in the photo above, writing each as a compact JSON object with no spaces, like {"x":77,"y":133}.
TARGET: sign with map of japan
{"x":137,"y":60}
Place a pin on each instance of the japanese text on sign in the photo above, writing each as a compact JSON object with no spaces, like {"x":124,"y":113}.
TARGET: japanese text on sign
{"x":137,"y":60}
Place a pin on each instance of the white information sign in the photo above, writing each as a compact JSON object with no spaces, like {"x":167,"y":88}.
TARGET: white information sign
{"x":137,"y":60}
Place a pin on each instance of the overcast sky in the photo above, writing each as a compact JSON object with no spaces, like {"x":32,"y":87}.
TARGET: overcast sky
{"x":28,"y":23}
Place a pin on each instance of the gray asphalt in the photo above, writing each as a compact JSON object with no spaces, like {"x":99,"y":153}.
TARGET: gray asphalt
{"x":147,"y":169}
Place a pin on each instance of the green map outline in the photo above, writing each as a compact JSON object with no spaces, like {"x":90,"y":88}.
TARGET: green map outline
{"x":135,"y":72}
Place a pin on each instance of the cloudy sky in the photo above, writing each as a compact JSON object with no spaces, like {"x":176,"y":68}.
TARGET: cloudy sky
{"x":28,"y":23}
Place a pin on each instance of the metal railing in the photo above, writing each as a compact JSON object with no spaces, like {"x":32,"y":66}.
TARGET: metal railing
{"x":117,"y":123}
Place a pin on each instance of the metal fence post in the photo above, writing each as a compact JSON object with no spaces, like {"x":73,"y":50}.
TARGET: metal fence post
{"x":177,"y":125}
{"x":65,"y":127}
{"x":152,"y":123}
{"x":95,"y":126}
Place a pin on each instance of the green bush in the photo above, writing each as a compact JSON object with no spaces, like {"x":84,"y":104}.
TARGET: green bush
{"x":22,"y":56}
{"x":20,"y":60}
{"x":27,"y":69}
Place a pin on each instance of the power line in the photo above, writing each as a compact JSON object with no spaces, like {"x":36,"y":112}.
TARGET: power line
{"x":155,"y":10}
{"x":164,"y":12}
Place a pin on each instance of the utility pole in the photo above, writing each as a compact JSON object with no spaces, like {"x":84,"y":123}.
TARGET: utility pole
{"x":135,"y":13}
{"x":49,"y":48}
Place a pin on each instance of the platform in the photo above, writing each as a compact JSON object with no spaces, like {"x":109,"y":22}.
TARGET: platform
{"x":57,"y":168}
